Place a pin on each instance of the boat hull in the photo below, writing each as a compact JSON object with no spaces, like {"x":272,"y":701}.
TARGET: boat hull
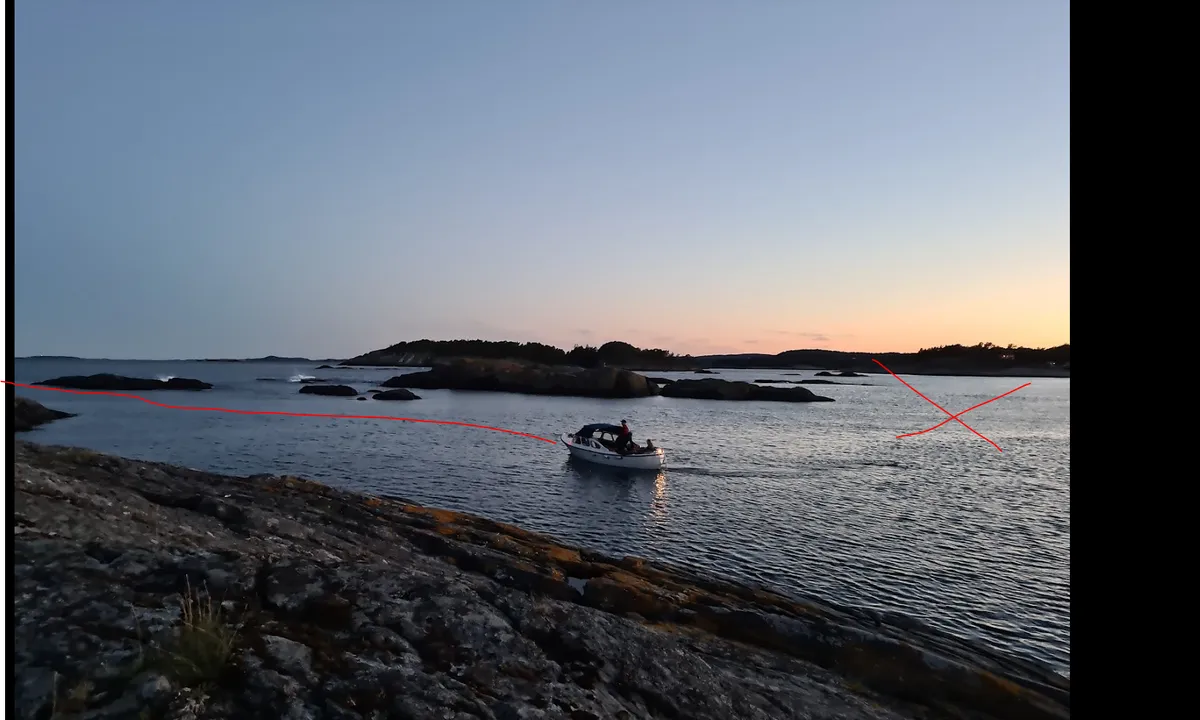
{"x":648,"y":461}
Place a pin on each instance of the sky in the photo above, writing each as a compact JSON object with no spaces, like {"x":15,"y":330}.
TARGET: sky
{"x":299,"y":177}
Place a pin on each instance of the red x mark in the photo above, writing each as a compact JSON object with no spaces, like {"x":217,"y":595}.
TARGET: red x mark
{"x":952,"y":417}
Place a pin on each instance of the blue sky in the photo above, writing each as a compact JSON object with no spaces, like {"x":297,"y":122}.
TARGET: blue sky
{"x":240,"y":179}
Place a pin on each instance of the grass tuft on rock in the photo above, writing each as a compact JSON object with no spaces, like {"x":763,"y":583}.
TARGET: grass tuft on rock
{"x":202,"y":646}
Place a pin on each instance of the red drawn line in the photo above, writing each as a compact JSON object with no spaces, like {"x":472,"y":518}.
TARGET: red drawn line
{"x":279,"y":412}
{"x":953,"y":417}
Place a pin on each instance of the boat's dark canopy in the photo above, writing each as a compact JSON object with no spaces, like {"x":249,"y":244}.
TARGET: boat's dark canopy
{"x":589,"y":430}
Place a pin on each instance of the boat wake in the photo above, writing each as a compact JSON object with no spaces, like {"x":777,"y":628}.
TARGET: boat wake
{"x":705,"y":472}
{"x":787,"y":474}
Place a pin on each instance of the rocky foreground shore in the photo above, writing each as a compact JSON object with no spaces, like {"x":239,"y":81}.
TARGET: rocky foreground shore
{"x":144,"y":590}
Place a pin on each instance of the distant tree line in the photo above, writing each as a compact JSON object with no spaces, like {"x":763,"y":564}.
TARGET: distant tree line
{"x":989,"y":354}
{"x":614,"y":354}
{"x":983,"y":356}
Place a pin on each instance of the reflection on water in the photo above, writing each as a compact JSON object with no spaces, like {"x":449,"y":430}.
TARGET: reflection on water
{"x":638,"y":497}
{"x":658,"y":506}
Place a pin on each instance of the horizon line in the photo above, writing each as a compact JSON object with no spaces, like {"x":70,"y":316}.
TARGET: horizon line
{"x":328,"y":359}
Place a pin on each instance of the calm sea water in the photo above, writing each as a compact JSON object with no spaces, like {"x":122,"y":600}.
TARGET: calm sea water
{"x":817,"y":499}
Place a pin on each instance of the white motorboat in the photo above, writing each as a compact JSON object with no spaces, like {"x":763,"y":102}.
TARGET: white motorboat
{"x":597,"y":442}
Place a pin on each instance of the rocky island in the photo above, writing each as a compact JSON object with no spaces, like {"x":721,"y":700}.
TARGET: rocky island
{"x":28,"y":414}
{"x":713,"y":389}
{"x":528,"y":378}
{"x":424,"y":353}
{"x":605,"y":382}
{"x":330,"y":390}
{"x":108,"y":381}
{"x":144,"y":590}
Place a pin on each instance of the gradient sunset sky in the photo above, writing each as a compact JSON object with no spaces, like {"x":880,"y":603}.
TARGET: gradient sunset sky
{"x":236,"y":179}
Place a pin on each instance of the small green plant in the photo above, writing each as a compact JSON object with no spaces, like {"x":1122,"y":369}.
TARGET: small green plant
{"x":73,"y":701}
{"x":202,"y":645}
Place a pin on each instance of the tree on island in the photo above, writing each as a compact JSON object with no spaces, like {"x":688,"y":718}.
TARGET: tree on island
{"x":987,"y":354}
{"x":979,"y":357}
{"x":614,"y":354}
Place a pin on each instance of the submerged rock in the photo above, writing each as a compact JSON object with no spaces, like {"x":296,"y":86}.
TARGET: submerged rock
{"x":335,"y":390}
{"x":519,"y":377}
{"x":714,"y":389}
{"x":106,"y":381}
{"x":806,"y":382}
{"x":397,"y":394}
{"x":28,"y":414}
{"x":320,"y":603}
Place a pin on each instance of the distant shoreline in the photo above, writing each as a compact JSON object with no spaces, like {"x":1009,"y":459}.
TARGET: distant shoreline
{"x":267,"y":359}
{"x":1004,"y":372}
{"x":1014,"y":372}
{"x":981,"y":360}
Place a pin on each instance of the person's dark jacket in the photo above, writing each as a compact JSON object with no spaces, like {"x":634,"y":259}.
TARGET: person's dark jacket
{"x":624,"y":438}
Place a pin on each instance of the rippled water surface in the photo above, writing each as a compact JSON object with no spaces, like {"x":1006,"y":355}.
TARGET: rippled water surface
{"x":816,"y":498}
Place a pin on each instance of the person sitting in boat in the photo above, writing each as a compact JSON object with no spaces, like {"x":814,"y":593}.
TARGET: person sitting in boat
{"x":649,"y":446}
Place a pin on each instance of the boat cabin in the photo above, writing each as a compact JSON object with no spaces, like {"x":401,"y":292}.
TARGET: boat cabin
{"x":601,"y":436}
